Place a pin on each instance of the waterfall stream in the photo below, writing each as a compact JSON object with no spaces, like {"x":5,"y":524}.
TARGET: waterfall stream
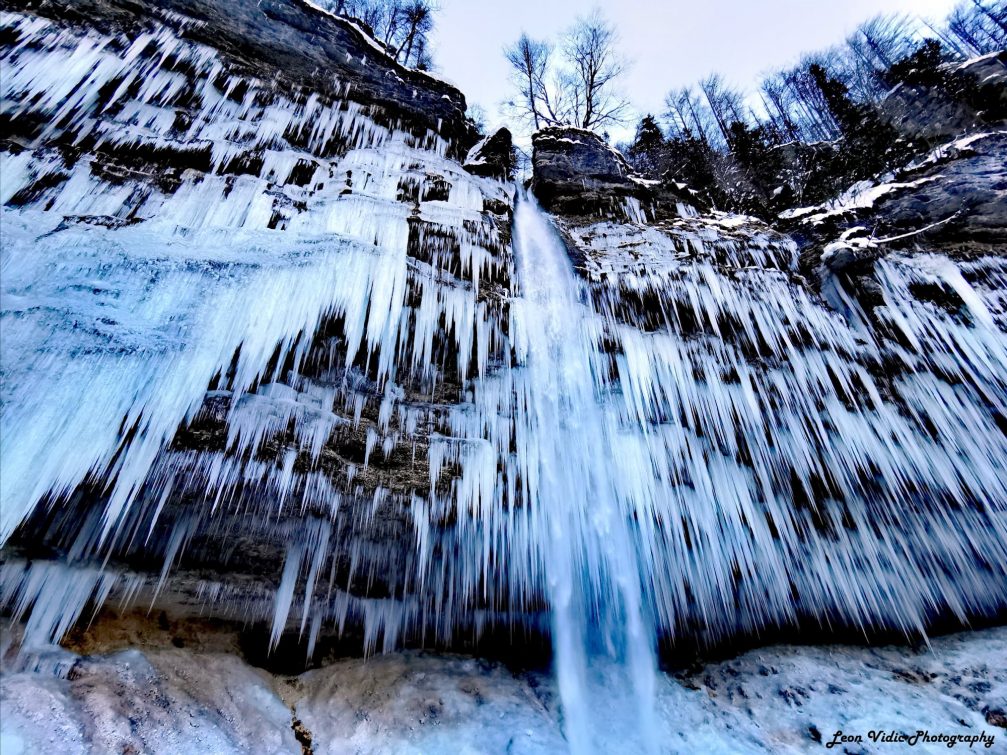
{"x":589,"y":548}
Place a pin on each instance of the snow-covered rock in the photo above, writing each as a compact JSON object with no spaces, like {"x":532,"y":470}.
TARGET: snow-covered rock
{"x":577,"y":173}
{"x":956,"y":192}
{"x":492,"y":156}
{"x":779,"y":700}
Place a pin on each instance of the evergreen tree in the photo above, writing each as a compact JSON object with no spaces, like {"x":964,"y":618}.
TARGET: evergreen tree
{"x":922,"y":68}
{"x":691,"y":161}
{"x":870,"y":143}
{"x":647,"y":152}
{"x":760,"y":166}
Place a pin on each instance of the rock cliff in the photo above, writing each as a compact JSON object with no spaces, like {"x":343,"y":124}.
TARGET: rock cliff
{"x":809,"y":372}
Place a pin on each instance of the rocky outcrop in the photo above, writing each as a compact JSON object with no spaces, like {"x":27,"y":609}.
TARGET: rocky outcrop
{"x":916,"y":110}
{"x":492,"y":156}
{"x":952,"y":201}
{"x":576,"y":173}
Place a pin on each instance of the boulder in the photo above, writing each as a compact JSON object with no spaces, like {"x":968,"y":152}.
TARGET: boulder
{"x":577,"y":173}
{"x":492,"y":157}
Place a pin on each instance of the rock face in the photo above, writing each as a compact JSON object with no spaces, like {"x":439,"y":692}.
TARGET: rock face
{"x":577,"y":173}
{"x":743,"y":362}
{"x":952,"y":201}
{"x":493,"y":156}
{"x":291,"y":45}
{"x":317,"y":377}
{"x":955,"y":198}
{"x":274,"y":282}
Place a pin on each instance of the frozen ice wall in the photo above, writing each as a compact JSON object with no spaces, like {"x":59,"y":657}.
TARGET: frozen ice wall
{"x":234,"y":309}
{"x":832,"y":464}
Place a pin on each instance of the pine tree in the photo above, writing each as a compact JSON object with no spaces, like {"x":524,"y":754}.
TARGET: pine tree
{"x":871,"y":144}
{"x":922,"y":68}
{"x":646,"y":153}
{"x":759,"y":164}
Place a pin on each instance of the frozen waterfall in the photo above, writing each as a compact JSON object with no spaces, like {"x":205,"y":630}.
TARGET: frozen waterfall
{"x":271,"y":355}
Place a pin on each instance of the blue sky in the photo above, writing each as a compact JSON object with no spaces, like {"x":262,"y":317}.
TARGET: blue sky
{"x":669,"y":43}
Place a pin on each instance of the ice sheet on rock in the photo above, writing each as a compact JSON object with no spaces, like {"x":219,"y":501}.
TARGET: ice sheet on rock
{"x":203,"y":277}
{"x":781,"y":700}
{"x":818,"y":401}
{"x":159,"y":702}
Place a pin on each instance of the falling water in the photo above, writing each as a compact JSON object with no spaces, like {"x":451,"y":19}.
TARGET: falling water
{"x":588,"y":546}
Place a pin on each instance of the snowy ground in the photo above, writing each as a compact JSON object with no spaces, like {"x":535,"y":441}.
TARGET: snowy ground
{"x":782,"y":699}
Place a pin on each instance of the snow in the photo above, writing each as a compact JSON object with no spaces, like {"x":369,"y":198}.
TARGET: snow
{"x":950,"y":149}
{"x":472,"y":157}
{"x":782,"y":700}
{"x":370,"y":40}
{"x":972,"y":61}
{"x":730,"y":220}
{"x":648,"y":182}
{"x":167,"y":701}
{"x":859,"y":196}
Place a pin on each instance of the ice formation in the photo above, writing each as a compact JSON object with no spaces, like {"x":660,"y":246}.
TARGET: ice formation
{"x":783,"y":700}
{"x":252,"y":331}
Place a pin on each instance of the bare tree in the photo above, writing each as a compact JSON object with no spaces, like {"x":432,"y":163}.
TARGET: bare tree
{"x":403,"y":26}
{"x":995,"y":12}
{"x":889,"y":38}
{"x":687,"y":116}
{"x":578,"y":88}
{"x":594,"y":65}
{"x":872,"y":49}
{"x":810,"y":104}
{"x":776,"y":102}
{"x":980,"y":26}
{"x":677,"y":113}
{"x":725,"y":103}
{"x":418,"y":22}
{"x":530,"y":64}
